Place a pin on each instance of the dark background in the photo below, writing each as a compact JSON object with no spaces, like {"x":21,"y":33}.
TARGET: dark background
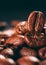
{"x":20,"y":9}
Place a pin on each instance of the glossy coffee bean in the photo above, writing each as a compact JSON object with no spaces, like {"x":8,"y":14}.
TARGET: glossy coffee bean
{"x":36,"y":21}
{"x":15,"y":40}
{"x":11,"y":61}
{"x":3,"y":38}
{"x":27,"y":52}
{"x":21,"y":27}
{"x":36,"y":40}
{"x":6,"y":61}
{"x":42,"y":53}
{"x":28,"y":60}
{"x":2,"y":56}
{"x":43,"y":62}
{"x":40,"y":22}
{"x":7,"y":52}
{"x":31,"y":20}
{"x":8,"y":33}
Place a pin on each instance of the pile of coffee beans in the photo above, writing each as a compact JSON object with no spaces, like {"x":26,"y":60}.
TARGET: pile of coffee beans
{"x":24,"y":43}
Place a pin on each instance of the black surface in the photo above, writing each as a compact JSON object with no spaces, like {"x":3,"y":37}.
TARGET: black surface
{"x":20,"y":9}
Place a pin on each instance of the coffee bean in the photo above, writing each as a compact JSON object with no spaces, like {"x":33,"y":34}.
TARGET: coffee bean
{"x":31,"y":21}
{"x":7,"y":52}
{"x":27,"y":52}
{"x":42,"y":53}
{"x":21,"y":27}
{"x":2,"y":57}
{"x":10,"y":61}
{"x":36,"y":21}
{"x":36,"y":40}
{"x":15,"y":40}
{"x":28,"y":60}
{"x":8,"y":33}
{"x":6,"y":61}
{"x":40,"y":21}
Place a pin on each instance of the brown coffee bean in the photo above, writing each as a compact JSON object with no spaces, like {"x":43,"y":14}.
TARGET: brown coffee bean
{"x":43,"y":62}
{"x":42,"y":53}
{"x":31,"y":20}
{"x":7,"y":52}
{"x":9,"y":32}
{"x":2,"y":57}
{"x":36,"y":21}
{"x":3,"y":39}
{"x":10,"y":61}
{"x":40,"y":21}
{"x":21,"y":27}
{"x":27,"y":52}
{"x":15,"y":41}
{"x":6,"y":61}
{"x":28,"y":60}
{"x":36,"y":40}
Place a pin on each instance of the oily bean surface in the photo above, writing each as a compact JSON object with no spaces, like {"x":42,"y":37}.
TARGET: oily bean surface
{"x":36,"y":21}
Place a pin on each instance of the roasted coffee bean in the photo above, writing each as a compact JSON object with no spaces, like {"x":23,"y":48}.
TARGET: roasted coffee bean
{"x":15,"y":40}
{"x":6,"y":61}
{"x":43,"y":62}
{"x":21,"y":27}
{"x":7,"y":52}
{"x":28,"y":60}
{"x":27,"y":52}
{"x":31,"y":21}
{"x":36,"y":21}
{"x":2,"y":57}
{"x":42,"y":53}
{"x":10,"y":61}
{"x":36,"y":40}
{"x":40,"y":22}
{"x":9,"y":32}
{"x":3,"y":38}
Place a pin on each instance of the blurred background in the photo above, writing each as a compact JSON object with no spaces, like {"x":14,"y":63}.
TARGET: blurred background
{"x":20,"y":9}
